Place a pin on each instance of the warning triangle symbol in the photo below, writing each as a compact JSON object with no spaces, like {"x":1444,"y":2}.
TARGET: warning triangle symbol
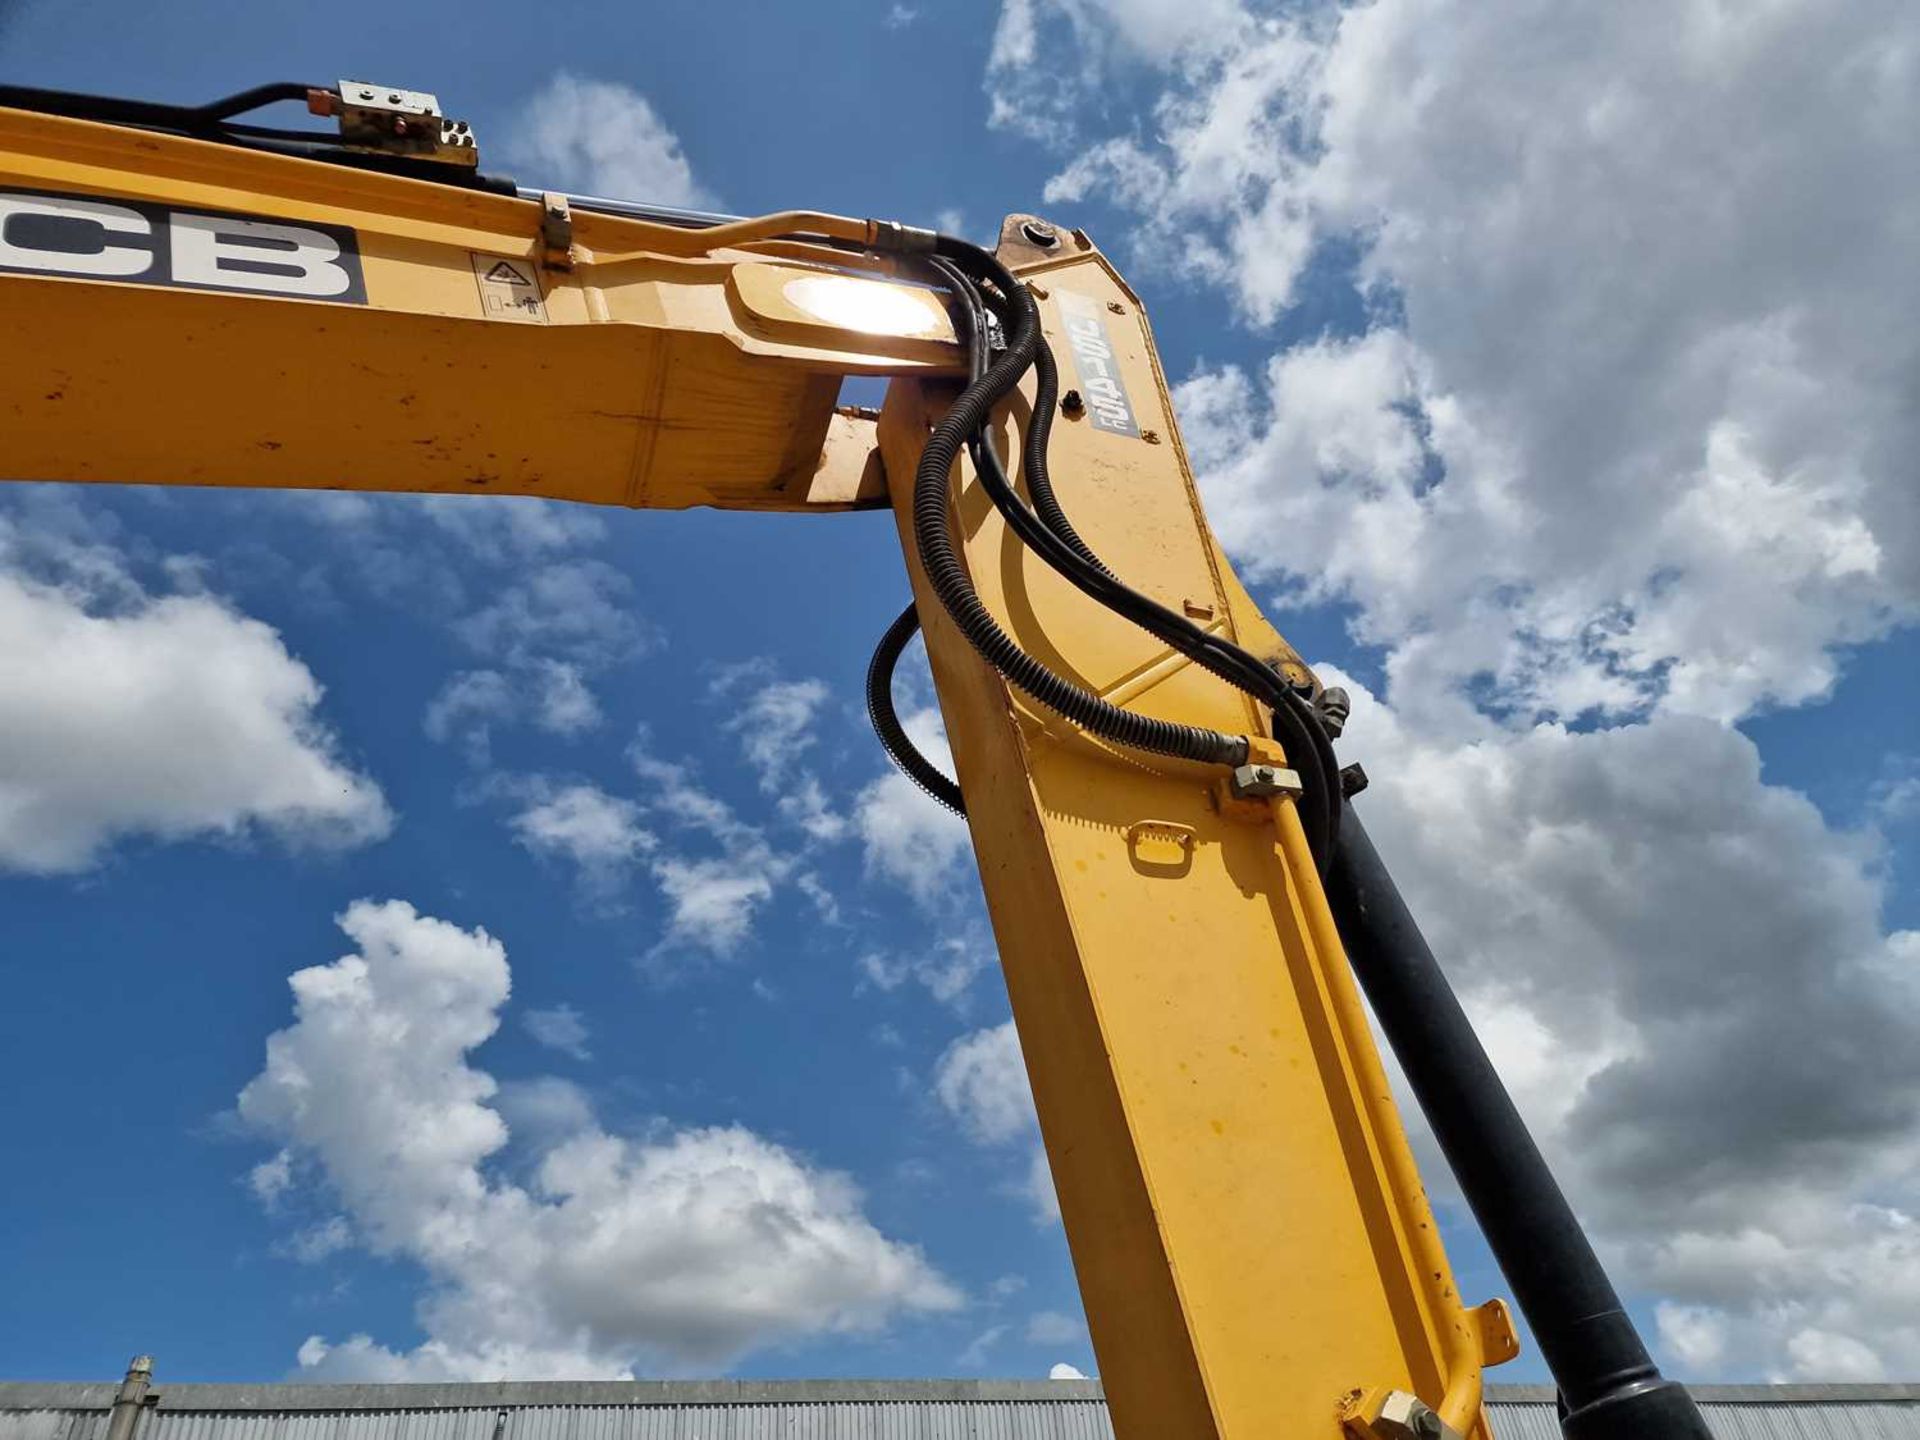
{"x":504,"y":272}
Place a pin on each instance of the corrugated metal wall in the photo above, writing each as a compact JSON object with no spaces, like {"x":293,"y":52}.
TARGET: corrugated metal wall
{"x":1834,"y":1416}
{"x":810,"y":1420}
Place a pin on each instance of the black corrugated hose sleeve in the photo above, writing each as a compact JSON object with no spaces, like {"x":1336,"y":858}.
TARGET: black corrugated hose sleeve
{"x":951,"y":584}
{"x":886,"y":720}
{"x":1308,"y":748}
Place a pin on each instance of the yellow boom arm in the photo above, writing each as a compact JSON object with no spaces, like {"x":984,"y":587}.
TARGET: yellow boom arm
{"x":1256,"y":1255}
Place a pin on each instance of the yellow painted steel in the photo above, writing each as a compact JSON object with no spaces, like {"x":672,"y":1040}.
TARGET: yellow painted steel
{"x":668,"y":368}
{"x":1249,"y":1231}
{"x":1251,"y":1239}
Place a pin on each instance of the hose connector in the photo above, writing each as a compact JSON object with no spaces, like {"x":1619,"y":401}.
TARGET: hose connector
{"x":890,"y":237}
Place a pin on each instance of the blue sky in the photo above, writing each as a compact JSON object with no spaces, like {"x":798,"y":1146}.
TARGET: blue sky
{"x":1577,"y":455}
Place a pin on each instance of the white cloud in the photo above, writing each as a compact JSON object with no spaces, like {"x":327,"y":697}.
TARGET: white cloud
{"x":573,"y":610}
{"x":981,"y":1079}
{"x":602,"y":138}
{"x":598,"y":832}
{"x":1051,"y":1327}
{"x":270,"y":1179}
{"x":552,"y":694}
{"x":543,"y":1111}
{"x":773,"y":722}
{"x":907,"y":837}
{"x":974,"y":1357}
{"x":680,"y":1248}
{"x":559,"y":1027}
{"x":714,"y":898}
{"x":467,"y":707}
{"x":1641,"y":333}
{"x":126,"y":714}
{"x":946,"y":967}
{"x":1082,"y":42}
{"x":1063,"y":1371}
{"x":563,"y":705}
{"x":314,"y":1243}
{"x":508,"y":529}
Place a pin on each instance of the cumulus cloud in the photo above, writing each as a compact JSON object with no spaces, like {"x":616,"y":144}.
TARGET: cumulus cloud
{"x":603,"y":138}
{"x":678,"y":1248}
{"x":981,"y":1079}
{"x":171,"y":716}
{"x":1681,"y":972}
{"x":1625,"y":439}
{"x":1637,"y":354}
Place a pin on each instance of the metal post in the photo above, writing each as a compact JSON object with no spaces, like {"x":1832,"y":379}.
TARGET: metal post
{"x":133,"y":1395}
{"x":1609,"y":1385}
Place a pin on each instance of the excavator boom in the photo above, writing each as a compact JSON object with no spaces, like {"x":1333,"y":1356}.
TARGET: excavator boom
{"x":1254,"y":1248}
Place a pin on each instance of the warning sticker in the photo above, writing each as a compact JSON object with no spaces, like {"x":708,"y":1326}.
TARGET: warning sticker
{"x":509,"y":289}
{"x":1093,"y":359}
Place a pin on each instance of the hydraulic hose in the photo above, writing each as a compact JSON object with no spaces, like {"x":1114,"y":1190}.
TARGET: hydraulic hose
{"x":939,"y":557}
{"x":886,"y":720}
{"x":1051,"y":535}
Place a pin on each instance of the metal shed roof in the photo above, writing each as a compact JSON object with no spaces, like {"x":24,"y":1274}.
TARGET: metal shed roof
{"x":808,"y":1410}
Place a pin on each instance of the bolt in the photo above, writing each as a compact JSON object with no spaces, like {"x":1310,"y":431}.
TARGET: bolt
{"x":393,"y":98}
{"x":1426,"y":1424}
{"x":1352,"y":780}
{"x":366,"y":94}
{"x":1039,"y":292}
{"x":1038,"y":232}
{"x":1116,"y":307}
{"x":1264,"y":774}
{"x":1072,"y":405}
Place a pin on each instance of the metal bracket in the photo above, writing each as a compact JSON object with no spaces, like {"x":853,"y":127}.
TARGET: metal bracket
{"x":1263,"y":782}
{"x":556,"y":231}
{"x":1494,"y":1325}
{"x":1247,"y":792}
{"x":392,"y":121}
{"x":1392,"y":1415}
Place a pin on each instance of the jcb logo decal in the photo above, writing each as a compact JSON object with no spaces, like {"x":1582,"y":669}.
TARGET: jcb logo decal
{"x":88,"y":236}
